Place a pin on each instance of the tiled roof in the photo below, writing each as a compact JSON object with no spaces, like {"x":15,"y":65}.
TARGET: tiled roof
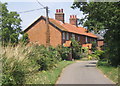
{"x":65,"y":27}
{"x":71,"y":28}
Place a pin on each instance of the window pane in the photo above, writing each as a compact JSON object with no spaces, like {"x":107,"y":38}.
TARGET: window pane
{"x":86,"y":39}
{"x":63,"y":35}
{"x":73,"y":36}
{"x":78,"y":38}
{"x":67,"y":36}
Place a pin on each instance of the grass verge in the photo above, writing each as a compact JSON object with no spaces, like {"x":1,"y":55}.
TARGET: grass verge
{"x":48,"y":77}
{"x":110,"y":71}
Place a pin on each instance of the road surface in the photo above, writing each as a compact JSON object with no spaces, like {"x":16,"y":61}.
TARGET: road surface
{"x":83,"y":72}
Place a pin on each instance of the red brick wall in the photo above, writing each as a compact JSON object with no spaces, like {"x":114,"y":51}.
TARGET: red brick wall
{"x":55,"y":36}
{"x":82,"y":39}
{"x":37,"y":34}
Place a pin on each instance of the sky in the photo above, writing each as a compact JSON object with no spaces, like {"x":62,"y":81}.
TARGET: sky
{"x":29,"y":17}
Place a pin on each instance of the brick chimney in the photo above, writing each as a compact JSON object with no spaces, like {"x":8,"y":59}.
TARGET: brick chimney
{"x":59,"y":15}
{"x":73,"y":20}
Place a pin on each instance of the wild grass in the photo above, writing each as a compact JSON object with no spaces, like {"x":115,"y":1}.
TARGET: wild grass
{"x":49,"y":76}
{"x":110,"y":71}
{"x":30,"y":65}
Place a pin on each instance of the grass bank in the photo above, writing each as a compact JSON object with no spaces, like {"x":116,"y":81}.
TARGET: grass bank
{"x":49,"y":76}
{"x":110,"y":71}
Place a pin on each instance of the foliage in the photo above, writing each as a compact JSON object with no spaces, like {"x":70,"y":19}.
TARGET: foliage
{"x":98,"y":54}
{"x":46,"y":58}
{"x":64,"y":52}
{"x":104,"y":16}
{"x":48,"y":77}
{"x":84,"y":52}
{"x":24,"y":39}
{"x":16,"y":65}
{"x":94,"y":46}
{"x":10,"y":26}
{"x":110,"y":71}
{"x":76,"y":49}
{"x":21,"y":61}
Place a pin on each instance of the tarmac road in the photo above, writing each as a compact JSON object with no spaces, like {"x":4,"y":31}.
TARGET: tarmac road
{"x":83,"y":72}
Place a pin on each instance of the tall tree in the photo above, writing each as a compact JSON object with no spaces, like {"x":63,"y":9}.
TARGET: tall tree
{"x":10,"y":25}
{"x":104,"y":16}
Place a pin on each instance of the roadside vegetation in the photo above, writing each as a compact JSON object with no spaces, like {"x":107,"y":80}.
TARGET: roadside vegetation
{"x":103,"y":18}
{"x":110,"y":71}
{"x":30,"y":65}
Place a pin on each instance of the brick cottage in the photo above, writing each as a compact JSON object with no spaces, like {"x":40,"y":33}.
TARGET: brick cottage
{"x":60,"y":32}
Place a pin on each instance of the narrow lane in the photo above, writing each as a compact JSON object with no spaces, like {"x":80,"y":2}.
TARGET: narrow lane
{"x":84,"y":72}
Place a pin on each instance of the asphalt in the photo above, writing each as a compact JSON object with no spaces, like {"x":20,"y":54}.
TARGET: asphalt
{"x":83,"y":72}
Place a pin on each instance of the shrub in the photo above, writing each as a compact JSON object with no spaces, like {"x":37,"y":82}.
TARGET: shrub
{"x":46,"y":58}
{"x":84,"y":52}
{"x":98,"y":54}
{"x":63,"y":52}
{"x":76,"y":49}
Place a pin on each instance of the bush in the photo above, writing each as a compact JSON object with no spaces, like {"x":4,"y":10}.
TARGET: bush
{"x":21,"y":61}
{"x":76,"y":49}
{"x":84,"y":52}
{"x":63,"y":52}
{"x":46,"y":58}
{"x":98,"y":54}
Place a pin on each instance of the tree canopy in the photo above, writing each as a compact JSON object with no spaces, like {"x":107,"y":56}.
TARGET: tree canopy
{"x":10,"y":25}
{"x":103,"y":16}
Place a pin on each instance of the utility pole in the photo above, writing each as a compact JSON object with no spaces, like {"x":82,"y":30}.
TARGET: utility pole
{"x":47,"y":28}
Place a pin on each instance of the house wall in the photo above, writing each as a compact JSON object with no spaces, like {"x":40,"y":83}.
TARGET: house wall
{"x":55,"y":36}
{"x":37,"y":34}
{"x":82,"y":39}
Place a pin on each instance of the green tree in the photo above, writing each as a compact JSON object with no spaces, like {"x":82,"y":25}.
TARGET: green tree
{"x":104,"y":16}
{"x":24,"y":39}
{"x":10,"y":25}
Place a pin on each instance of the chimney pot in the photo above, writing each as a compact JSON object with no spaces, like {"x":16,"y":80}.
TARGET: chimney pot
{"x":56,"y":10}
{"x":75,"y":16}
{"x":73,"y":20}
{"x":59,"y":10}
{"x":59,"y":15}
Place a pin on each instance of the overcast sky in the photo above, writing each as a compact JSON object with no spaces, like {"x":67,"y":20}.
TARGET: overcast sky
{"x":30,"y":17}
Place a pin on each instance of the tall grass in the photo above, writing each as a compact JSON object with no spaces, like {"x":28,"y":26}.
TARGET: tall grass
{"x":15,"y":64}
{"x":21,"y":61}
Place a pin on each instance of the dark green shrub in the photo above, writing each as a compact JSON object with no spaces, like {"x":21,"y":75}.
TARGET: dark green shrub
{"x":76,"y":49}
{"x":64,"y":52}
{"x":45,"y":57}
